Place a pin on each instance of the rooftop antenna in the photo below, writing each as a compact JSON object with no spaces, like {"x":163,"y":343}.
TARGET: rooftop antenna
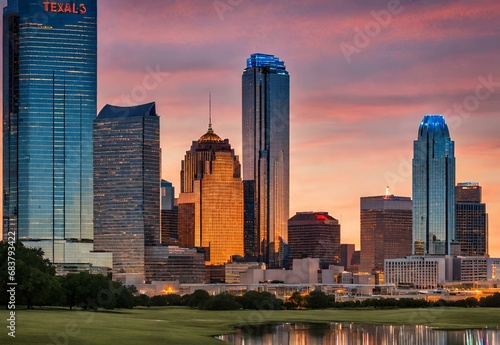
{"x":210,"y":112}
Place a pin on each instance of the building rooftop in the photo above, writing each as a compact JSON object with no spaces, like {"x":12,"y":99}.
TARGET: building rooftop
{"x":210,"y":137}
{"x":435,"y":124}
{"x":113,"y":111}
{"x":266,"y":60}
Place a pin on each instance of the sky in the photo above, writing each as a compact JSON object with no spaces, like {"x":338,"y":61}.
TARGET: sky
{"x":362,"y":74}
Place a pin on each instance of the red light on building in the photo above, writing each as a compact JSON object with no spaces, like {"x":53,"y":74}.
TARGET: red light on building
{"x":321,"y":217}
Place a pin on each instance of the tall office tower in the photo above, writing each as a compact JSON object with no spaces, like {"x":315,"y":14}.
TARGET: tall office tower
{"x":127,"y":186}
{"x":471,"y":220}
{"x":49,"y":103}
{"x":314,"y":235}
{"x":266,"y":151}
{"x":211,"y":199}
{"x":250,"y":229}
{"x":433,"y":188}
{"x":167,"y":195}
{"x":169,"y":214}
{"x":386,"y":230}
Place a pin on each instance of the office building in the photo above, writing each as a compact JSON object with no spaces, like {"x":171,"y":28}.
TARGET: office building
{"x":314,"y":235}
{"x":471,"y":220}
{"x":433,"y":188}
{"x":127,"y":186}
{"x":167,"y":195}
{"x":386,"y":230}
{"x":211,"y":199}
{"x":49,"y":103}
{"x":172,"y":263}
{"x":346,"y":253}
{"x":250,"y":229}
{"x":266,"y":150}
{"x":419,"y":272}
{"x":169,"y":215}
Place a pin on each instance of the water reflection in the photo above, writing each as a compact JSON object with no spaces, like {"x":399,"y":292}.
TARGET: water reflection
{"x":350,"y":333}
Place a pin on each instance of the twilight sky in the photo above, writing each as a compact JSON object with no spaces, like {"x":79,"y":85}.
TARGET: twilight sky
{"x":362,"y":73}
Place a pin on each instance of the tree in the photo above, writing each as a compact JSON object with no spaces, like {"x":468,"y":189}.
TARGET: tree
{"x":296,"y":300}
{"x":260,"y":301}
{"x":223,"y":301}
{"x":34,"y":275}
{"x":123,"y":296}
{"x":197,"y":298}
{"x":166,"y":300}
{"x":318,"y":300}
{"x":142,"y":300}
{"x":89,"y":291}
{"x":490,"y":301}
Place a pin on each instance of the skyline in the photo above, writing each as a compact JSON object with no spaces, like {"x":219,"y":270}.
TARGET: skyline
{"x":424,"y":61}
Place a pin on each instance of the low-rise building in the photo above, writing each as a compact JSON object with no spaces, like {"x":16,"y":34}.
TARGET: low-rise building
{"x":420,"y":272}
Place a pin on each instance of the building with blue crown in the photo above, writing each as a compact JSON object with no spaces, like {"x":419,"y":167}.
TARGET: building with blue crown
{"x":433,"y":188}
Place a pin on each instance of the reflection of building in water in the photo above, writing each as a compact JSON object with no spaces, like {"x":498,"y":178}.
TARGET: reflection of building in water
{"x":352,"y":333}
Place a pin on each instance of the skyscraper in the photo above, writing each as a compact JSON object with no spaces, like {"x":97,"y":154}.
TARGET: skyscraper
{"x":266,"y":150}
{"x":169,"y":214}
{"x":127,"y":186}
{"x":211,"y":199}
{"x":433,"y":188}
{"x":49,"y":103}
{"x":314,"y":235}
{"x":386,"y":230}
{"x":471,"y":220}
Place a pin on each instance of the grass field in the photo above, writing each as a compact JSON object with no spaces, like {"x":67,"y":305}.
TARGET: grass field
{"x":179,"y":325}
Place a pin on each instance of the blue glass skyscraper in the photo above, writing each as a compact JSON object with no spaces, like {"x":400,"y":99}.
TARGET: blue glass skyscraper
{"x":266,"y":151}
{"x":433,"y":188}
{"x":49,"y":103}
{"x":127,"y":187}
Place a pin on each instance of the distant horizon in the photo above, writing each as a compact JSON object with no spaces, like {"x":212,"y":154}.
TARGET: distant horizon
{"x":362,"y":78}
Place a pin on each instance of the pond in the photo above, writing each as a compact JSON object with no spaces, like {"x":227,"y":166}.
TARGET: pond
{"x":351,"y":333}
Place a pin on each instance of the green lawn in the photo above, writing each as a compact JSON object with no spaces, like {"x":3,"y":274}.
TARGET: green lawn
{"x":178,"y":325}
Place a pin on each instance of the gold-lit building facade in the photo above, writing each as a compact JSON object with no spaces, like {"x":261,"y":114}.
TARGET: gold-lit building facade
{"x":211,"y":199}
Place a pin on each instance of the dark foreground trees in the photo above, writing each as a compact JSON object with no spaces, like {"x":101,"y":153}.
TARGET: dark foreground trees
{"x":34,"y":275}
{"x":93,"y":291}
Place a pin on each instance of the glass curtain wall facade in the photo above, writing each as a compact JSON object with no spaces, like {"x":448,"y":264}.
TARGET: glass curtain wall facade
{"x":433,"y":188}
{"x":266,"y":151}
{"x":127,"y":186}
{"x":471,"y":220}
{"x":49,"y":103}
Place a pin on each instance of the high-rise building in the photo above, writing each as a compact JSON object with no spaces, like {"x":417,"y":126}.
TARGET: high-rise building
{"x":471,"y":220}
{"x":250,"y":229}
{"x":346,"y":253}
{"x":386,"y":230}
{"x":167,"y":195}
{"x":314,"y":235}
{"x":266,"y":150}
{"x":433,"y":188}
{"x":211,"y":199}
{"x":127,"y":186}
{"x":169,"y":214}
{"x":49,"y":103}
